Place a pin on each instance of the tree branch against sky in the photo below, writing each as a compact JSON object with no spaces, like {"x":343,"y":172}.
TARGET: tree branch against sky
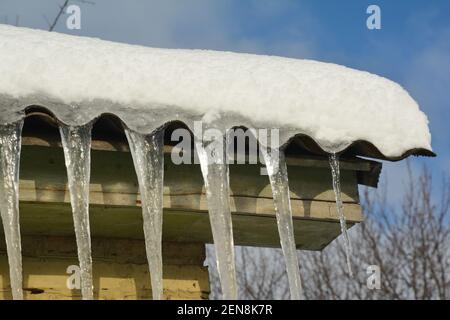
{"x":62,"y":8}
{"x":51,"y":25}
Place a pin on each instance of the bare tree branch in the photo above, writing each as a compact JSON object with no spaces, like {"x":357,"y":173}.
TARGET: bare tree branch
{"x":60,"y":12}
{"x":62,"y":8}
{"x":409,"y":242}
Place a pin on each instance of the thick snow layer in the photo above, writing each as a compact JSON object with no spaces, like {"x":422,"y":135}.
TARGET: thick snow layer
{"x":333,"y":104}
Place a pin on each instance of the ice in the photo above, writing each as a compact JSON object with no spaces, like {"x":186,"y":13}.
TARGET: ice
{"x":214,"y":167}
{"x":332,"y":104}
{"x":10,"y":145}
{"x":336,"y":176}
{"x":277,"y":170}
{"x":78,"y":79}
{"x":76,"y":141}
{"x":148,"y":157}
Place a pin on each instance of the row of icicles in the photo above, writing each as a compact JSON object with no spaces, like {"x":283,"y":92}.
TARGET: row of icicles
{"x":148,"y":157}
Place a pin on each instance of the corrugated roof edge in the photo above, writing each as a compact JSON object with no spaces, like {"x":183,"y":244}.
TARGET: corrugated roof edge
{"x":13,"y":110}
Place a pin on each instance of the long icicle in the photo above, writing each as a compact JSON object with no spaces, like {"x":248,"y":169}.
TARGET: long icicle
{"x":214,"y":166}
{"x":10,"y":145}
{"x":335,"y":173}
{"x":278,"y":176}
{"x":76,"y":141}
{"x":148,"y":158}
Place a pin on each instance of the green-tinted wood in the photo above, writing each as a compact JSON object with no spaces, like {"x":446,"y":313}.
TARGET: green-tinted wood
{"x":115,"y":211}
{"x":53,"y":219}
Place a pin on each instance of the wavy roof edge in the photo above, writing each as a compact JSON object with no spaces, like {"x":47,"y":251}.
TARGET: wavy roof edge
{"x":150,"y":120}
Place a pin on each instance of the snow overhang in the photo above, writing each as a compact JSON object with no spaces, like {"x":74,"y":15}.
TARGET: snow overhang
{"x":318,"y":107}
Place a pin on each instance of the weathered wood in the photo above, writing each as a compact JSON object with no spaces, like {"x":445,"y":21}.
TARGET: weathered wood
{"x":115,"y":201}
{"x":103,"y":145}
{"x":179,"y":226}
{"x":112,"y":173}
{"x":120,"y":269}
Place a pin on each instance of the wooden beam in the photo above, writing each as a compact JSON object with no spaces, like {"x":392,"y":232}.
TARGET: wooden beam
{"x":115,"y":200}
{"x":120,"y":269}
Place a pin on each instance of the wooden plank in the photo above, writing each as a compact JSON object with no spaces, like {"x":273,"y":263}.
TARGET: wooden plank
{"x":120,"y":269}
{"x":42,"y":169}
{"x":55,"y":219}
{"x":40,"y":129}
{"x":355,"y":164}
{"x":115,"y":200}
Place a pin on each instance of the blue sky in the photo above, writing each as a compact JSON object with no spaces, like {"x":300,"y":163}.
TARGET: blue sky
{"x":412,"y":48}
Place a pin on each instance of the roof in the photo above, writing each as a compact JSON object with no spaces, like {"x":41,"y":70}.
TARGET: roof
{"x":41,"y":129}
{"x":323,"y":107}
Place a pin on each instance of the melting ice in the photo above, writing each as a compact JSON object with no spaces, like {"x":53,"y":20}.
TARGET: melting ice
{"x":10,"y":145}
{"x":336,"y":176}
{"x":148,"y":158}
{"x":76,"y":141}
{"x":277,"y":171}
{"x":214,"y":166}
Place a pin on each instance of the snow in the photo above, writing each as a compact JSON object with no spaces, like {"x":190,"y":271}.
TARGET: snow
{"x":333,"y":104}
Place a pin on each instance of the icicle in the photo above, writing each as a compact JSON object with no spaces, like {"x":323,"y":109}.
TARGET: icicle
{"x":277,"y":171}
{"x":214,"y":166}
{"x":148,"y":158}
{"x":335,"y":173}
{"x":76,"y":141}
{"x":10,"y":145}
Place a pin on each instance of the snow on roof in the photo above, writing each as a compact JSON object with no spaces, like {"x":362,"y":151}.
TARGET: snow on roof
{"x":332,"y":104}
